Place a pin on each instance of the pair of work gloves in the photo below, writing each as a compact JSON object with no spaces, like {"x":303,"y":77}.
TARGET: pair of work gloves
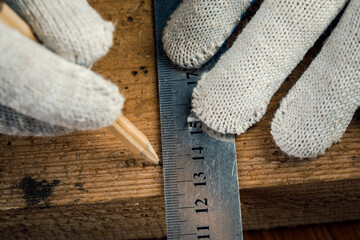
{"x":45,"y":91}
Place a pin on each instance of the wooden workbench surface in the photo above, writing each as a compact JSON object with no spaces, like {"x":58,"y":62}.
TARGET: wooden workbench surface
{"x":87,"y":185}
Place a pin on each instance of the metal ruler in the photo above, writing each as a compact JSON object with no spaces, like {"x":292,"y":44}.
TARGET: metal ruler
{"x":200,"y":172}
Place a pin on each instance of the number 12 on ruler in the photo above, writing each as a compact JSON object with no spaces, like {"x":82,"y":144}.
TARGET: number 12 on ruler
{"x":199,"y":180}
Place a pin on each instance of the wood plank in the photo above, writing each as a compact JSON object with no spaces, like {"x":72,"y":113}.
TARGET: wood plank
{"x":94,"y":187}
{"x":334,"y":231}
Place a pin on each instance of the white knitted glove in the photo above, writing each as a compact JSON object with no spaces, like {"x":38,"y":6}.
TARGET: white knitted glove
{"x":42,"y":91}
{"x":235,"y":93}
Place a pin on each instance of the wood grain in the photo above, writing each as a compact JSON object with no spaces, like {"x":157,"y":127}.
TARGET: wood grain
{"x":332,"y":231}
{"x":94,"y":187}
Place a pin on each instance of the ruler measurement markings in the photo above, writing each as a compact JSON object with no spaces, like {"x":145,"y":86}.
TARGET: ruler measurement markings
{"x":207,"y":190}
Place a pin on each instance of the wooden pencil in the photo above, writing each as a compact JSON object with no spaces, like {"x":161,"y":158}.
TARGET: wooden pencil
{"x":11,"y":19}
{"x":135,"y":140}
{"x":122,"y":128}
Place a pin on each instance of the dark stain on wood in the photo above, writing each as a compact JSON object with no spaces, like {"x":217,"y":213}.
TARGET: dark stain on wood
{"x":80,"y":187}
{"x":35,"y":192}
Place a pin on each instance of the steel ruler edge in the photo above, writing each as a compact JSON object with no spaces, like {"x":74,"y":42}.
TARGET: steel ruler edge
{"x":200,"y":172}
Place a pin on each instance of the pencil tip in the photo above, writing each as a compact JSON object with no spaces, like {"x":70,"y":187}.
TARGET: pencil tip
{"x":153,"y":153}
{"x":150,"y":156}
{"x":151,"y":149}
{"x":160,"y":163}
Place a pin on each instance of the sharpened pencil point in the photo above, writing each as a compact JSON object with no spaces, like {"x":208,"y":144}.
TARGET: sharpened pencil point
{"x":135,"y":140}
{"x":160,"y":163}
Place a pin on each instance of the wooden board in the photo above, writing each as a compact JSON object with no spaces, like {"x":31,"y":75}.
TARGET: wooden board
{"x":328,"y":231}
{"x":86,"y":185}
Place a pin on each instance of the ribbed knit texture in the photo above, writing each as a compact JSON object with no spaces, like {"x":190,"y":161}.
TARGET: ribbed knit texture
{"x":317,"y":110}
{"x":71,"y":28}
{"x":198,"y":28}
{"x":14,"y":123}
{"x":44,"y":94}
{"x":235,"y":93}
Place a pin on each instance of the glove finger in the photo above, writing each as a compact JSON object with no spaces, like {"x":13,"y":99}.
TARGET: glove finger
{"x":317,"y":110}
{"x":198,"y":28}
{"x":14,"y":123}
{"x":42,"y":85}
{"x":235,"y":93}
{"x":72,"y":29}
